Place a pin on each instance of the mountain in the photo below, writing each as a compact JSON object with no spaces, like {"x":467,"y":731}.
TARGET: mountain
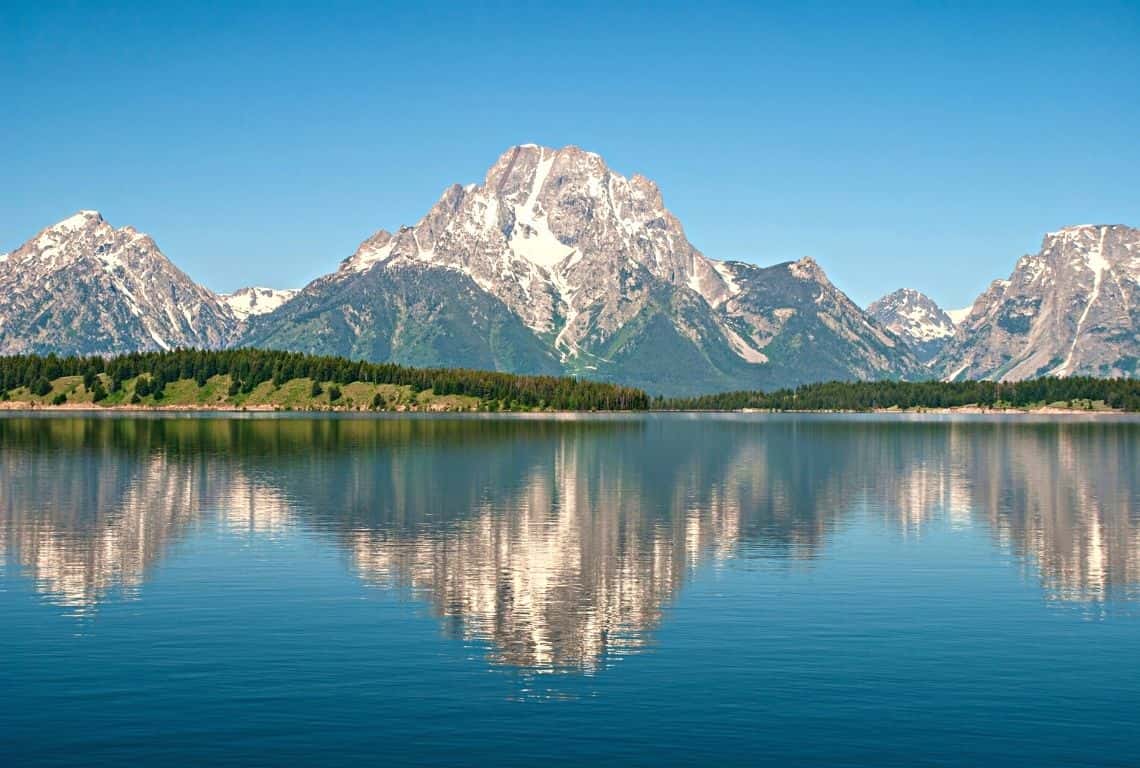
{"x":557,"y":263}
{"x":82,"y":286}
{"x":414,"y":315}
{"x":245,"y":303}
{"x":1073,"y":308}
{"x":916,"y":319}
{"x":958,"y":315}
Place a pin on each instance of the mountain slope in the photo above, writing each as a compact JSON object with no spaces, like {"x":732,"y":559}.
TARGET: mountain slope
{"x":601,"y":276}
{"x":916,"y":319}
{"x":413,"y":314}
{"x":1073,"y":308}
{"x":81,"y":286}
{"x":808,"y":329}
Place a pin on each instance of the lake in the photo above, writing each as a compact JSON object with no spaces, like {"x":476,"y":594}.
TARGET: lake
{"x":661,"y":589}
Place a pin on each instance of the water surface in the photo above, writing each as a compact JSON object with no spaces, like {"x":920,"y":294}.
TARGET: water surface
{"x":645,"y":590}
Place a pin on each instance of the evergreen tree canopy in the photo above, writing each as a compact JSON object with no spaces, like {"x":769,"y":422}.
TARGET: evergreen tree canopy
{"x":247,"y":368}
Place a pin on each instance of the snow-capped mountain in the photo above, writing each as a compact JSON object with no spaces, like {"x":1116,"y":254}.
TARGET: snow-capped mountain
{"x":255,"y":300}
{"x":587,"y":272}
{"x":1073,"y":308}
{"x":536,"y":233}
{"x":81,"y":286}
{"x":557,"y":264}
{"x":916,"y":319}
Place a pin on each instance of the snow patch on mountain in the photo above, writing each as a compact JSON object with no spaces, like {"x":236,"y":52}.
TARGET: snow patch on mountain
{"x":742,"y":348}
{"x":958,"y":315}
{"x":256,"y":300}
{"x":725,"y":273}
{"x":375,"y":250}
{"x":537,"y":244}
{"x":1095,"y":261}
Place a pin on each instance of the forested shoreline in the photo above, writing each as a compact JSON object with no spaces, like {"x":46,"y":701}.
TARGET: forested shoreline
{"x":255,"y":378}
{"x":232,"y":376}
{"x":1079,"y":392}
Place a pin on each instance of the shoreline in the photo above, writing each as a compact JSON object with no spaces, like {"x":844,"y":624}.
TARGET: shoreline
{"x":14,"y":406}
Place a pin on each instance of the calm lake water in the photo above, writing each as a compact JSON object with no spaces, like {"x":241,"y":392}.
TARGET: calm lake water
{"x":643,"y":590}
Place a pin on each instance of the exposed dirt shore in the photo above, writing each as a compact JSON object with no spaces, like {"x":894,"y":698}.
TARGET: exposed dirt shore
{"x":16,"y":405}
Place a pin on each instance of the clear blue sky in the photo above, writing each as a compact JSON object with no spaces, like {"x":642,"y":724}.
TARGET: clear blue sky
{"x":924,"y":145}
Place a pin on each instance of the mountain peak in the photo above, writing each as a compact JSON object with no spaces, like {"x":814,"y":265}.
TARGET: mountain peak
{"x":916,"y":319}
{"x":1077,"y":228}
{"x":65,"y":240}
{"x":79,"y":220}
{"x":81,"y":286}
{"x":808,"y":268}
{"x":540,"y":214}
{"x":375,"y":249}
{"x":520,"y":174}
{"x":599,"y":277}
{"x":1076,"y":233}
{"x":1069,"y":309}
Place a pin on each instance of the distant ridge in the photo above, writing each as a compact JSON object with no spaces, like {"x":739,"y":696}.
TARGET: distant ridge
{"x":555,"y":264}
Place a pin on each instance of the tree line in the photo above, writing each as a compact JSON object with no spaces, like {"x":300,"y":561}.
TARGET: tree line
{"x":248,"y":368}
{"x":1123,"y":394}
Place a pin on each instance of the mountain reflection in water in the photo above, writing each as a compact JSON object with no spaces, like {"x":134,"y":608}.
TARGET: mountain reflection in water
{"x":558,"y":542}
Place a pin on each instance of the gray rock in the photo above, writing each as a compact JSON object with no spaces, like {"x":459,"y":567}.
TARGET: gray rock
{"x":1073,"y":308}
{"x":916,"y":319}
{"x":81,"y":286}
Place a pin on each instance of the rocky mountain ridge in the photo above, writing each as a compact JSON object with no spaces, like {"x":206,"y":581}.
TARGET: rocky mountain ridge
{"x":555,"y":263}
{"x":82,"y":286}
{"x":603,"y":281}
{"x":249,"y":302}
{"x":916,"y":319}
{"x":1072,"y":308}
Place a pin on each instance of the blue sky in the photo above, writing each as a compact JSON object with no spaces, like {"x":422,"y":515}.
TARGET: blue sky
{"x":901,"y":144}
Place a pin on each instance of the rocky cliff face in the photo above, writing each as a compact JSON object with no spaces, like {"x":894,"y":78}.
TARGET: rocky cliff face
{"x":601,"y":275}
{"x":808,"y":329}
{"x":82,"y":286}
{"x":1073,"y":308}
{"x":916,"y":319}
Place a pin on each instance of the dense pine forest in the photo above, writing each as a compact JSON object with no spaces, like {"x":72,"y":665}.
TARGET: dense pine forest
{"x":1073,"y":392}
{"x":253,"y":377}
{"x":148,"y":378}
